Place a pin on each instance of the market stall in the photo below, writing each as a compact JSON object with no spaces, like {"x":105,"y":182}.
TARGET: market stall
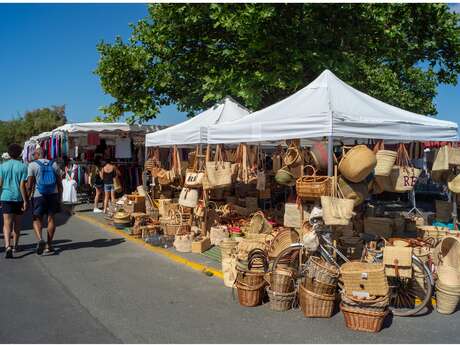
{"x":340,"y":222}
{"x":76,"y":145}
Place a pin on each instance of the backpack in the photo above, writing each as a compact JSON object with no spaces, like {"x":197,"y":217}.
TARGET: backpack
{"x":46,"y":180}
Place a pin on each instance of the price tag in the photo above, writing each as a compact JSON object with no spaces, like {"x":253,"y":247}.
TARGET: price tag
{"x":360,"y":294}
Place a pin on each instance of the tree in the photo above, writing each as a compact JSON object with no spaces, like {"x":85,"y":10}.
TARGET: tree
{"x":34,"y":122}
{"x":193,"y":55}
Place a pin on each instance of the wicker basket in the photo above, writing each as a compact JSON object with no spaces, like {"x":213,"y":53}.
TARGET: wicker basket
{"x":365,"y":321}
{"x":281,"y":301}
{"x":314,"y":305}
{"x":322,"y":271}
{"x":366,"y":277}
{"x":281,"y":280}
{"x":250,"y":296}
{"x":313,"y":186}
{"x":371,"y":304}
{"x":318,"y":287}
{"x":227,"y":247}
{"x":385,"y":161}
{"x":357,"y":163}
{"x":249,"y":278}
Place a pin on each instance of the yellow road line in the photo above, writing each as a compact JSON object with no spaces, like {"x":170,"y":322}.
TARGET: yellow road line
{"x":157,"y":250}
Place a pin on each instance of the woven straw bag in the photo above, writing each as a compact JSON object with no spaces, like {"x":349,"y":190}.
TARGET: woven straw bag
{"x":364,"y":277}
{"x":454,"y":155}
{"x":312,"y":186}
{"x":397,"y":261}
{"x":385,"y":160}
{"x":358,"y":192}
{"x":218,"y":172}
{"x":336,"y":209}
{"x":357,"y":163}
{"x":293,"y":156}
{"x":407,"y":176}
{"x":454,"y":183}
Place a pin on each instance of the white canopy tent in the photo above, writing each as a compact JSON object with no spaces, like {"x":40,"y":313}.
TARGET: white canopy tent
{"x":85,"y":127}
{"x":195,"y":130}
{"x":328,"y":107}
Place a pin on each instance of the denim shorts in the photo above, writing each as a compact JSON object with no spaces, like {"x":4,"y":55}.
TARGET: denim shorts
{"x":109,"y":188}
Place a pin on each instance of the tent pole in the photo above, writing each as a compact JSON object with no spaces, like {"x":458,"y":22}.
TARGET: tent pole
{"x":330,"y":156}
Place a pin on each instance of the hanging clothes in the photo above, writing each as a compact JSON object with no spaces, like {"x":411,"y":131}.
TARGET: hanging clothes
{"x":123,"y":148}
{"x":93,"y":138}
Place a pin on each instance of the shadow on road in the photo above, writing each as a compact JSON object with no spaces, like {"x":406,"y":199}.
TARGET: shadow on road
{"x":99,"y":243}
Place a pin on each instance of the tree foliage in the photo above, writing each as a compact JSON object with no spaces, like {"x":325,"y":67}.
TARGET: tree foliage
{"x":32,"y":123}
{"x":193,"y":55}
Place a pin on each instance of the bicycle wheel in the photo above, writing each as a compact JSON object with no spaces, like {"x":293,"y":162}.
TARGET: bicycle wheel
{"x":409,"y":296}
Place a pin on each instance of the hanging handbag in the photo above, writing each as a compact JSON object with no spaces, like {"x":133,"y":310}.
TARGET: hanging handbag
{"x":357,"y":163}
{"x":310,"y":187}
{"x":441,"y":160}
{"x":218,"y":172}
{"x":261,"y":179}
{"x":188,"y":197}
{"x":277,"y":159}
{"x":385,"y":159}
{"x":293,"y":217}
{"x":405,"y":176}
{"x":453,"y":182}
{"x":293,"y":157}
{"x":454,"y":155}
{"x":336,"y":209}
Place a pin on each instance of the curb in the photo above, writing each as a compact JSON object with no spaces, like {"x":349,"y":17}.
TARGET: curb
{"x":157,"y":250}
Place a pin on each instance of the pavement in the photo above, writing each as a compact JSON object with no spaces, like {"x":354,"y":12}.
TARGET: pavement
{"x":102,"y":288}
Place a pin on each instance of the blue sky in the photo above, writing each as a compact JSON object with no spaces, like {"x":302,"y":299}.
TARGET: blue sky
{"x":48,"y":53}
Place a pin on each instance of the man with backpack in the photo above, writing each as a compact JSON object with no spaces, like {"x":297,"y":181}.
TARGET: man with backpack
{"x":44,"y":180}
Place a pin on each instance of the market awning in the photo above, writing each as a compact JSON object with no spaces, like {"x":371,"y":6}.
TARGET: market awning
{"x":195,"y":130}
{"x":330,"y":107}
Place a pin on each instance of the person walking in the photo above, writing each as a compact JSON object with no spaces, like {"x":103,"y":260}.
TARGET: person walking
{"x":97,"y":183}
{"x":108,"y":174}
{"x":13,"y":178}
{"x":45,"y":182}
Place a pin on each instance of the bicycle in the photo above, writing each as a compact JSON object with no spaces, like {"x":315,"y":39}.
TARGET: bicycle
{"x":404,"y":292}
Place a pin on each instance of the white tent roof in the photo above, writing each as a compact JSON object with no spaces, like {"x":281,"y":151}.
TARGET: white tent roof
{"x":330,"y":107}
{"x":85,"y":127}
{"x":195,"y":130}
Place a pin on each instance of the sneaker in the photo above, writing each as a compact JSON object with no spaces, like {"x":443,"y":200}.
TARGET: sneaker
{"x":49,"y":250}
{"x":9,"y":253}
{"x":40,"y":247}
{"x":97,"y":210}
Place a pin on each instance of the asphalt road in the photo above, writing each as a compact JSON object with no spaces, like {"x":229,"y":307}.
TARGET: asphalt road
{"x":100,"y":288}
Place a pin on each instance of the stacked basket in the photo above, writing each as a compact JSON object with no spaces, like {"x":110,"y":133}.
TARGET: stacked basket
{"x":250,"y":282}
{"x":448,"y":283}
{"x":317,"y":293}
{"x":365,"y":297}
{"x":281,"y":289}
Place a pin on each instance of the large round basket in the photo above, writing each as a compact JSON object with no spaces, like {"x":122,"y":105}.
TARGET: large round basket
{"x":365,"y":321}
{"x":315,"y":305}
{"x":357,"y":163}
{"x":281,"y":301}
{"x":250,"y":296}
{"x":322,"y":271}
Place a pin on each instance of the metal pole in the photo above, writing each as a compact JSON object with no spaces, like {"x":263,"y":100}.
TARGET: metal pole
{"x":330,"y":156}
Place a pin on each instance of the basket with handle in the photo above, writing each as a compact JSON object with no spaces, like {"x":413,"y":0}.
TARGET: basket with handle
{"x":318,"y":287}
{"x":310,"y":187}
{"x":385,"y":159}
{"x":250,"y":295}
{"x":372,"y":304}
{"x":365,"y":278}
{"x":357,"y":162}
{"x":322,"y":271}
{"x":315,"y":305}
{"x":281,"y":280}
{"x":363,"y":320}
{"x":281,"y":301}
